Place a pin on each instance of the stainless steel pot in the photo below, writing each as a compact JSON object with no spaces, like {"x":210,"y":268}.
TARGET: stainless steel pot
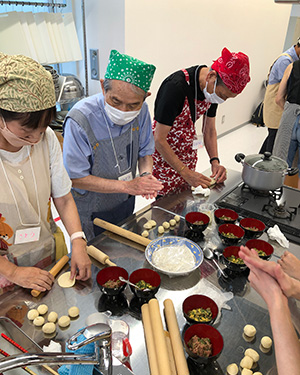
{"x":264,"y":171}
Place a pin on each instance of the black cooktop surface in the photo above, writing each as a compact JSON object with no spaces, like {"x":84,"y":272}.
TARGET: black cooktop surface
{"x":286,"y":205}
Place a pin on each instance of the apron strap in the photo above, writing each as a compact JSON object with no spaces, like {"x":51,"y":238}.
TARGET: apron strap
{"x":81,"y":120}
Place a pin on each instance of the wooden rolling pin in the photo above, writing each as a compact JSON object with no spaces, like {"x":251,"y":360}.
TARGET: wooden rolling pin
{"x":170,"y":353}
{"x":150,"y":345}
{"x":159,"y":339}
{"x":99,"y":255}
{"x":54,"y":271}
{"x":173,"y":329}
{"x":121,"y":232}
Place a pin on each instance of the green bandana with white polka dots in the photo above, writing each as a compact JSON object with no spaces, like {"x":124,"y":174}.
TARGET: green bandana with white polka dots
{"x":129,"y":69}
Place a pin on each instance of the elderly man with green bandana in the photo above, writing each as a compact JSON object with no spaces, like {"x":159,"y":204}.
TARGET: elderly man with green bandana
{"x":106,"y":137}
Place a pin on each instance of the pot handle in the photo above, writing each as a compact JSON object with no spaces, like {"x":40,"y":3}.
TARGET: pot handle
{"x":239,"y":157}
{"x":292,"y":171}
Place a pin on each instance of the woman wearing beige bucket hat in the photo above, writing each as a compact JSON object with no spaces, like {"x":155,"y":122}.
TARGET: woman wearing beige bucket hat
{"x":31,"y":173}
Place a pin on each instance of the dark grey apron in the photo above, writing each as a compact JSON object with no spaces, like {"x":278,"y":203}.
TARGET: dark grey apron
{"x":113,"y":207}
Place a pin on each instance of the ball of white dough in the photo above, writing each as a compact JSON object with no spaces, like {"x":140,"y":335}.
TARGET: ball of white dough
{"x":172,"y":222}
{"x":32,"y":314}
{"x":145,"y":233}
{"x":52,"y":317}
{"x":258,"y":373}
{"x":232,"y":369}
{"x":265,"y":344}
{"x":49,"y":328}
{"x":246,"y":371}
{"x":166,"y":225}
{"x":39,"y":321}
{"x":64,"y":321}
{"x":147,"y":225}
{"x":246,"y":362}
{"x":152,"y":222}
{"x":177,"y":218}
{"x":249,"y":332}
{"x":42,"y":309}
{"x":73,"y":311}
{"x":160,"y":229}
{"x":253,"y":354}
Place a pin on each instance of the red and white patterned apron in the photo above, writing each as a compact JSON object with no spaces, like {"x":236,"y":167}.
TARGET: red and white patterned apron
{"x":180,"y":139}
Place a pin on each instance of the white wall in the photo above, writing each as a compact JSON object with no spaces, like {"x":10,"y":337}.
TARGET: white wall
{"x":174,"y":34}
{"x":105,"y":24}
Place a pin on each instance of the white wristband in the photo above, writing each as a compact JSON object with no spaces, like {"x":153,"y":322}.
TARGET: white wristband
{"x":77,"y":235}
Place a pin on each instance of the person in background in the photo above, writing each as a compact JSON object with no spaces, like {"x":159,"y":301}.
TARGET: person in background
{"x":182,"y":98}
{"x":287,"y":142}
{"x":269,"y":280}
{"x":271,"y":111}
{"x":106,"y":136}
{"x":31,"y":173}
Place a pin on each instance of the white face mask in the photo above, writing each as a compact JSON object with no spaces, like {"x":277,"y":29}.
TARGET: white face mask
{"x":120,"y":117}
{"x":212,"y":98}
{"x":13,"y":139}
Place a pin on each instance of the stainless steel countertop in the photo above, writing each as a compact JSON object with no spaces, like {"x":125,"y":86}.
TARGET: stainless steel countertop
{"x":246,"y":306}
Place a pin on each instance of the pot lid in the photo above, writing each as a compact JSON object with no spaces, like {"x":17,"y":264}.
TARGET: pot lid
{"x":266,"y":162}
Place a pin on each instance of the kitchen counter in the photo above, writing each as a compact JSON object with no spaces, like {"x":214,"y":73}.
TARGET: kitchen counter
{"x":246,"y":306}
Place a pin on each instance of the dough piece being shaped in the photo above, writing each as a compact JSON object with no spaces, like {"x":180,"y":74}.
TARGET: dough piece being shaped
{"x":145,"y":233}
{"x":232,"y":369}
{"x":147,"y":225}
{"x":52,"y":317}
{"x":253,"y":354}
{"x":73,"y":311}
{"x":246,"y":371}
{"x":265,"y":344}
{"x":39,"y":321}
{"x":42,"y":309}
{"x":172,"y":222}
{"x":166,"y":225}
{"x":64,"y":280}
{"x":64,"y":321}
{"x":161,"y":229}
{"x":177,"y":218}
{"x":49,"y":328}
{"x":246,"y":362}
{"x":32,"y":314}
{"x":258,"y":373}
{"x":152,"y":222}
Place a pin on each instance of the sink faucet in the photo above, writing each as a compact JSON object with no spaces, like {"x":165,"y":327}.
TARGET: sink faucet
{"x":99,"y":334}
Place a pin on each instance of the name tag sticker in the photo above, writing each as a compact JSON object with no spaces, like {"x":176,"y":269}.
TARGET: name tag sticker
{"x":198,"y":142}
{"x":125,"y":177}
{"x":27,"y":235}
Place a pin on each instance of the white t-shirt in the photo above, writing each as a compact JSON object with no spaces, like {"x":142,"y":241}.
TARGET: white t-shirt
{"x":60,"y":181}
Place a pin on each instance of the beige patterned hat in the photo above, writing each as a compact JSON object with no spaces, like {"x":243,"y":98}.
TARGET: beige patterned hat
{"x":129,"y":69}
{"x":25,"y":86}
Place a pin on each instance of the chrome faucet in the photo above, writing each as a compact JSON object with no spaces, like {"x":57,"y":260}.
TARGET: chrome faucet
{"x":99,"y":333}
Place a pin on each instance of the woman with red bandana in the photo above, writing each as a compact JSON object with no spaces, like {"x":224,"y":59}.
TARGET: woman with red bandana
{"x":182,"y":98}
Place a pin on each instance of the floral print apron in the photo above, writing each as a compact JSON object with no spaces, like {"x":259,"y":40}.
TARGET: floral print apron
{"x":180,"y":139}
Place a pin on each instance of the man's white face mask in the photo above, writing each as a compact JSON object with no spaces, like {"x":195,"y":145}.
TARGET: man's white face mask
{"x":120,"y":117}
{"x":212,"y":98}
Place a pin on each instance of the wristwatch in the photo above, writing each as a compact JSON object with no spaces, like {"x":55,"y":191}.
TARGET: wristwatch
{"x":78,"y":235}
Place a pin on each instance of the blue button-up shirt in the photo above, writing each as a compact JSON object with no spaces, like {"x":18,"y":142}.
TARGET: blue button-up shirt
{"x":77,"y":151}
{"x":281,"y":64}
